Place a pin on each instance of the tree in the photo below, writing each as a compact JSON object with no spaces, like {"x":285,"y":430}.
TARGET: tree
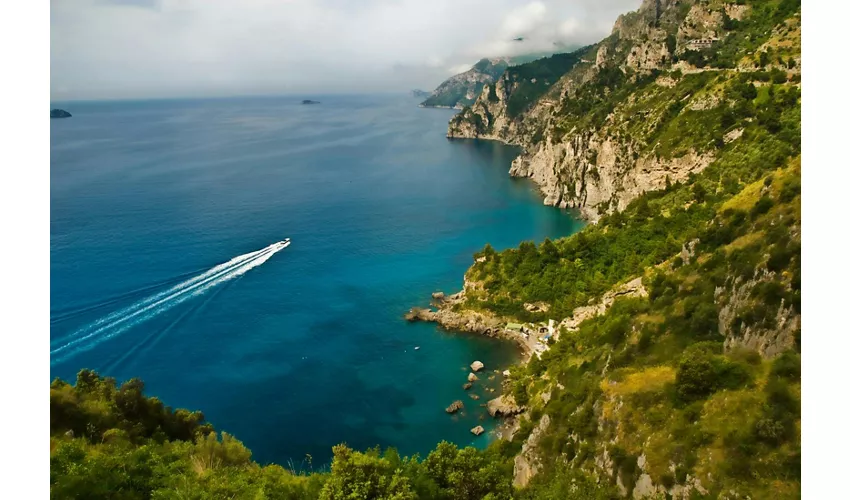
{"x":361,"y":476}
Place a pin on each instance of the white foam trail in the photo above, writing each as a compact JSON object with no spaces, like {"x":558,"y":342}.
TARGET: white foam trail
{"x":176,"y":288}
{"x":120,"y":321}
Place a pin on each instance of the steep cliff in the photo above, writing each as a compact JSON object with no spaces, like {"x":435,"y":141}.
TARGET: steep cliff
{"x":596,"y":132}
{"x":674,"y":371}
{"x":462,"y":89}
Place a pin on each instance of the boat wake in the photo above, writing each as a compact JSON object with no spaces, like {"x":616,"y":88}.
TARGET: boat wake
{"x":118,"y":322}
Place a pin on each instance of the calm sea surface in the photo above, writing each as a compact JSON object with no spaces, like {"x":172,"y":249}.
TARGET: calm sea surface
{"x":162,"y":217}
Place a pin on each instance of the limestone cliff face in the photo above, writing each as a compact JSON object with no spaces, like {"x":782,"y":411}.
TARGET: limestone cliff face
{"x":769,"y":340}
{"x":598,"y":174}
{"x":592,"y":168}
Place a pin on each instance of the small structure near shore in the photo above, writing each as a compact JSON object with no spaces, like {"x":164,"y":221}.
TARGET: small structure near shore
{"x":476,"y":366}
{"x":477,"y":430}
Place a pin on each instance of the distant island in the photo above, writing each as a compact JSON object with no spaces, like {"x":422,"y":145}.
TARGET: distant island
{"x":420,"y":93}
{"x":308,"y":101}
{"x":59,"y":113}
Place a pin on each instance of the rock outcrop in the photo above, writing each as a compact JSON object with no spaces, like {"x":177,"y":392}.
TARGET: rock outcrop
{"x":596,"y":169}
{"x":527,"y":464}
{"x":633,"y":288}
{"x":768,"y":340}
{"x":504,"y":406}
{"x":454,"y":407}
{"x":464,"y":88}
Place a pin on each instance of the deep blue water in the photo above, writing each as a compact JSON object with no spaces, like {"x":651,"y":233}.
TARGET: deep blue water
{"x":308,"y":349}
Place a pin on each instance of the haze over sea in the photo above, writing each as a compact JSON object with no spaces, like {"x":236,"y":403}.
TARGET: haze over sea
{"x":296,"y":350}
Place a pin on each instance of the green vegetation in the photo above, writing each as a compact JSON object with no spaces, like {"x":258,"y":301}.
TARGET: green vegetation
{"x":531,"y":80}
{"x":698,"y":379}
{"x":567,"y":273}
{"x":114,"y":442}
{"x":450,"y":92}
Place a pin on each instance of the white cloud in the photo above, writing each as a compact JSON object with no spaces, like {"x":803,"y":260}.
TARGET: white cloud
{"x":140,"y":48}
{"x":459,"y":68}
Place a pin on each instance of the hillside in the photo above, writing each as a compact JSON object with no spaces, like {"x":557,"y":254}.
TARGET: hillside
{"x":673,"y":368}
{"x":462,"y":89}
{"x":646,"y":104}
{"x":672,"y":364}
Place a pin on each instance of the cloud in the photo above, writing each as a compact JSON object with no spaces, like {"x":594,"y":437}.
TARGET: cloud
{"x":154,"y":48}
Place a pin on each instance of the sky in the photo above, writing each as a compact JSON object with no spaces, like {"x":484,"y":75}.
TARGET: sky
{"x":113,"y":49}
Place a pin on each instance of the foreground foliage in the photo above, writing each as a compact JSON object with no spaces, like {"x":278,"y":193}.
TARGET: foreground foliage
{"x":110,"y":441}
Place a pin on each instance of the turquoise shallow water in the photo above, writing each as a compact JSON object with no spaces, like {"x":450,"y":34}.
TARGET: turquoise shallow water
{"x":297,"y":350}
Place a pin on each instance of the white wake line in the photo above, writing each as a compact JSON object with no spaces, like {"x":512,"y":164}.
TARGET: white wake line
{"x":184,"y":292}
{"x":108,"y":319}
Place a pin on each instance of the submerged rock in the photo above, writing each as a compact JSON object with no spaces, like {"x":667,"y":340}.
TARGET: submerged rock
{"x":454,"y":407}
{"x":467,"y":386}
{"x":472,"y":377}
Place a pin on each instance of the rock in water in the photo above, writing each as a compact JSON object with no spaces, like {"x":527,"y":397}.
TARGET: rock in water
{"x":457,"y":405}
{"x":472,"y":377}
{"x":59,"y":113}
{"x":477,"y":430}
{"x":438,"y":295}
{"x":308,"y":101}
{"x":477,"y":365}
{"x":467,"y":386}
{"x":474,"y":397}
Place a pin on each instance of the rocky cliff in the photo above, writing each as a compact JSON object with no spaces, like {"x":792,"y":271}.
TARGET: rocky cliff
{"x":675,"y":367}
{"x":462,"y":89}
{"x":591,"y":137}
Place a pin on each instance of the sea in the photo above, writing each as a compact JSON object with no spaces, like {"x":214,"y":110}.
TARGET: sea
{"x":164,"y":216}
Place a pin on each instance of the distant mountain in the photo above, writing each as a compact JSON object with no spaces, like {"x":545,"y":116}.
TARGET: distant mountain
{"x":462,"y":90}
{"x":419,"y":93}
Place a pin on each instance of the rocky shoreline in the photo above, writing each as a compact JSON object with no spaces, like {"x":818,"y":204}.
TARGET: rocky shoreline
{"x":451,"y":315}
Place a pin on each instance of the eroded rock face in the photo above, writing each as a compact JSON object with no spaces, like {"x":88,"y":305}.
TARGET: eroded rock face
{"x":633,"y":288}
{"x":769,"y":342}
{"x":596,"y":170}
{"x":527,"y":463}
{"x":504,"y":406}
{"x":600,"y":175}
